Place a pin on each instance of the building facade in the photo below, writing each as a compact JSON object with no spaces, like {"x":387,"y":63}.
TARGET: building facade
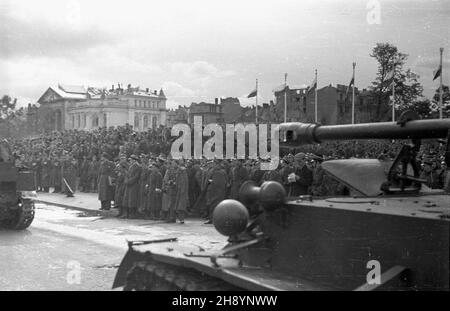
{"x":79,"y":108}
{"x":210,"y":113}
{"x":334,"y":105}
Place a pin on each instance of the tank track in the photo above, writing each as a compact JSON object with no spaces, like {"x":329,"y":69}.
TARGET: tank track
{"x":158,"y":276}
{"x":23,"y":216}
{"x":26,"y":215}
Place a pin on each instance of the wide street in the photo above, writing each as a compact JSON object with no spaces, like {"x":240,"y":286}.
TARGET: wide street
{"x":66,"y":249}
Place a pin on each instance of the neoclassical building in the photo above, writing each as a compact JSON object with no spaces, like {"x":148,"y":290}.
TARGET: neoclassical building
{"x":77,"y":107}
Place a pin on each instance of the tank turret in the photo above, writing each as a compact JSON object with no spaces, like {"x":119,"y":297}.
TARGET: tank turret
{"x":372,"y":177}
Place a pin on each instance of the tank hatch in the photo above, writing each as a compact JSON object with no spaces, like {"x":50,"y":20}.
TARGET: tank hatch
{"x":365,"y":176}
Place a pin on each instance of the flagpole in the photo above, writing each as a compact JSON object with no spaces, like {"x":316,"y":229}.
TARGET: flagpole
{"x":285,"y":97}
{"x":256,"y":99}
{"x":315,"y":100}
{"x":440,"y":86}
{"x":353,"y":95}
{"x":393,"y":92}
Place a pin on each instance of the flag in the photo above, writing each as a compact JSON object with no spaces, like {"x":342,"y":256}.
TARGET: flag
{"x":252,"y":93}
{"x":437,"y":73}
{"x":313,"y":85}
{"x":352,"y":82}
{"x":390,"y":77}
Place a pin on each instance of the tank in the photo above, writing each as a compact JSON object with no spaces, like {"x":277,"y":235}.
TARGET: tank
{"x":392,"y":233}
{"x":17,"y":192}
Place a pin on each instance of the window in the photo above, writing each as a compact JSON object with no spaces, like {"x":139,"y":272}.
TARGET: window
{"x":145,"y":121}
{"x":95,"y":121}
{"x":136,"y":120}
{"x":135,"y":103}
{"x":73,"y":121}
{"x":105,"y":120}
{"x":84,"y":120}
{"x":78,"y":121}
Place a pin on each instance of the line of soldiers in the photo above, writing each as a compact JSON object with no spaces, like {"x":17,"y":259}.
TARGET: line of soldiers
{"x":161,"y":188}
{"x":158,"y":187}
{"x":58,"y":172}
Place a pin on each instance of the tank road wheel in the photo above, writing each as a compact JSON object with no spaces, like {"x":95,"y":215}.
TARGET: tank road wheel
{"x":23,"y":216}
{"x":157,"y":276}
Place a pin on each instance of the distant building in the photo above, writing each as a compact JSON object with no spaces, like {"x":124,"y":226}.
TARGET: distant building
{"x":210,"y":113}
{"x":170,"y":117}
{"x":334,"y":105}
{"x":80,"y":108}
{"x":231,"y":108}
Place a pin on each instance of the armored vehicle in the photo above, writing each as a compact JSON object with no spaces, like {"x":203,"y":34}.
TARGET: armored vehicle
{"x":392,"y":233}
{"x":17,"y":192}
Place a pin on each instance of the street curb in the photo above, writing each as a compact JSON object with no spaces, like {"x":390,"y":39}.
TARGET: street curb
{"x":82,"y":209}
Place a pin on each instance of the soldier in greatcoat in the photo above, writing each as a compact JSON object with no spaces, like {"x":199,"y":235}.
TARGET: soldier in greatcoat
{"x":69,"y":174}
{"x":56,"y":180}
{"x":216,"y":188}
{"x":94,"y":167}
{"x":143,"y":180}
{"x":301,"y":178}
{"x":119,"y":194}
{"x":46,"y":173}
{"x":169,"y":188}
{"x":132,"y":187}
{"x":182,"y":192}
{"x":154,"y":188}
{"x":84,"y":175}
{"x":239,"y":175}
{"x":105,"y":182}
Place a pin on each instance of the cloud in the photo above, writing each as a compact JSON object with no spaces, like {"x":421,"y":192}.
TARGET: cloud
{"x":199,"y":72}
{"x":29,"y":77}
{"x":177,"y":94}
{"x":430,"y":62}
{"x":176,"y":90}
{"x":29,"y":37}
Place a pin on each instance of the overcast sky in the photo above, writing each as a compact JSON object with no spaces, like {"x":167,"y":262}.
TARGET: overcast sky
{"x":197,"y":50}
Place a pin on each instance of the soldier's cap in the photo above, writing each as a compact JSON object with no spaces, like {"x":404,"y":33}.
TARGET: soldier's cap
{"x":300,"y":156}
{"x":135,"y":157}
{"x":104,"y":154}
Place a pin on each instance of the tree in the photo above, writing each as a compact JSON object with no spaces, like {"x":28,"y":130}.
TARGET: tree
{"x":7,"y":106}
{"x":407,"y":88}
{"x":445,"y":102}
{"x":423,"y":107}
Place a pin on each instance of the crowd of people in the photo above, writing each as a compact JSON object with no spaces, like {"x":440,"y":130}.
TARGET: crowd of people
{"x":136,"y":172}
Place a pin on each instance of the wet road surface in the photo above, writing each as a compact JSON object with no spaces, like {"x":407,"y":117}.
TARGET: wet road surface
{"x":71,"y":250}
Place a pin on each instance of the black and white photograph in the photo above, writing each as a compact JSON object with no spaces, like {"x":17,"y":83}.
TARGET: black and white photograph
{"x":224,"y":147}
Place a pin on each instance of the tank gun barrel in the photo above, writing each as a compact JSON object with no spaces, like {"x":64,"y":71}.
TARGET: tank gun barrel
{"x":296,"y":133}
